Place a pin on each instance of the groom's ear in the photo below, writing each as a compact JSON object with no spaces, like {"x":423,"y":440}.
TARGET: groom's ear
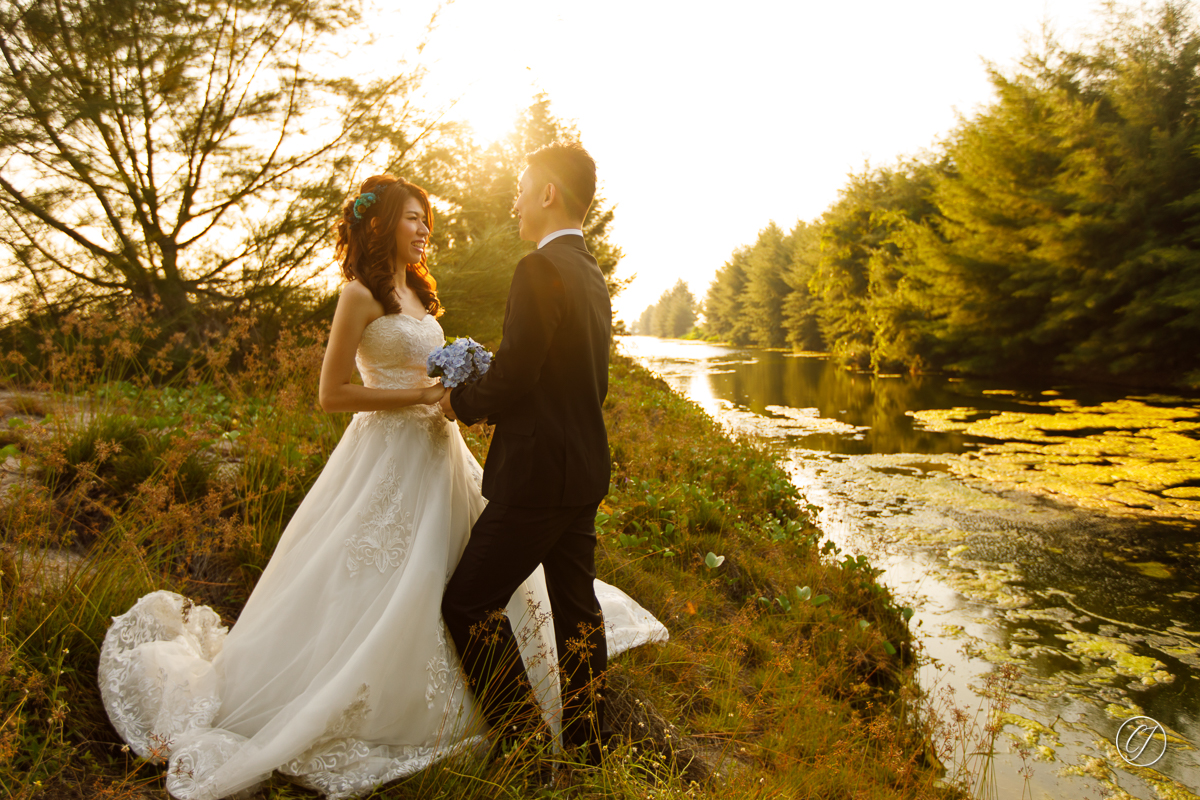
{"x":549,"y":194}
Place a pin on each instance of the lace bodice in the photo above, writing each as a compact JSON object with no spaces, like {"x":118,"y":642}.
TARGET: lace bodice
{"x":394,"y":350}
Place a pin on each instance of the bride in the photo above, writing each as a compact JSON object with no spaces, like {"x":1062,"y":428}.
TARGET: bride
{"x":339,"y":672}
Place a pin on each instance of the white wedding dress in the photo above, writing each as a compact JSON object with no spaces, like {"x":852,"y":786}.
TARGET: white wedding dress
{"x":339,"y":671}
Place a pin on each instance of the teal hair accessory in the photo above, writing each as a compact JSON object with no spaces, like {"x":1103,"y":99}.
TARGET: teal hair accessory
{"x":363,"y":201}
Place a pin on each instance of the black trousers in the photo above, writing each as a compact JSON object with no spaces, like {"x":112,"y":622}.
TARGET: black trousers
{"x":506,"y":545}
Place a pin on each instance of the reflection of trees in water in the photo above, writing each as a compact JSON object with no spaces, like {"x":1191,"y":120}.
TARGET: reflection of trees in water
{"x":1073,"y":565}
{"x":863,"y":400}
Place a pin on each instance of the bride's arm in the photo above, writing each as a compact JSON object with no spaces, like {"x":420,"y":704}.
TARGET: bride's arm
{"x":356,"y":309}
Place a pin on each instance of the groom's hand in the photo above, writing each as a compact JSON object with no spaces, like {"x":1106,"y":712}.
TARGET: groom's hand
{"x":446,"y":408}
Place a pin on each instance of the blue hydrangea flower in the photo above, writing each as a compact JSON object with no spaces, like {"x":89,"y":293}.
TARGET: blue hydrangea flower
{"x":462,"y":361}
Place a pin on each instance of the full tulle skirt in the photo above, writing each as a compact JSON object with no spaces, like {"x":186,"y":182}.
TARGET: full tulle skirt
{"x":339,"y":671}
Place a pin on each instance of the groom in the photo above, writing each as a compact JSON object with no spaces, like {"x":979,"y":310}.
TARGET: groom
{"x":548,"y":465}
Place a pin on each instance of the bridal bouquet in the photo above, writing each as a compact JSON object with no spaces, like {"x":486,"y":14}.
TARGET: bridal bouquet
{"x":462,"y":361}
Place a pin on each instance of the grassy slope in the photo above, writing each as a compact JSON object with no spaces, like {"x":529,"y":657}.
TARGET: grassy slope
{"x":792,"y":690}
{"x":766,"y":689}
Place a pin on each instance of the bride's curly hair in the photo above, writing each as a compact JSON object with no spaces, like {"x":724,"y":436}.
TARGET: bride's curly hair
{"x":366,"y":246}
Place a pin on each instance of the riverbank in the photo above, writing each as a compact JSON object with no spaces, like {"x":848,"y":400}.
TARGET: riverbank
{"x":1046,"y":530}
{"x":783,"y":675}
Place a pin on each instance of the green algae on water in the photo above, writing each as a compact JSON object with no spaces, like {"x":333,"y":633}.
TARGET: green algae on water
{"x":1125,"y":455}
{"x":1147,"y":669}
{"x":1034,"y":730}
{"x":991,"y":586}
{"x":1164,"y":787}
{"x":1153,"y":569}
{"x":1123,"y":712}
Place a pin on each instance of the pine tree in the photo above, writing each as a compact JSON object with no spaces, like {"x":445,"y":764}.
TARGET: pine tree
{"x":1055,"y":231}
{"x":800,"y":309}
{"x":724,"y":312}
{"x":672,"y":316}
{"x":766,"y":289}
{"x":842,"y":278}
{"x":1071,"y":234}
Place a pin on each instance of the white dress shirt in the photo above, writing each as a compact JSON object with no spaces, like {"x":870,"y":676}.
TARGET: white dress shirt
{"x":550,"y":237}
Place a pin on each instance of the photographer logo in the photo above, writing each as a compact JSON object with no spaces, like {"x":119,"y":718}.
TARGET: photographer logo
{"x":1141,"y":741}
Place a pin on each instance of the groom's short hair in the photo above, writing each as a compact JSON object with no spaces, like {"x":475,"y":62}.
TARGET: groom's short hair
{"x":572,"y":169}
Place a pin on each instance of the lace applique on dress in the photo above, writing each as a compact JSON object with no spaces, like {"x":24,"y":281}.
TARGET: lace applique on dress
{"x":337,"y":749}
{"x":392,"y":355}
{"x":389,"y":424}
{"x":149,"y":707}
{"x":383,"y":539}
{"x":476,"y":473}
{"x":438,"y":668}
{"x":340,"y":765}
{"x":193,"y":765}
{"x":394,"y":350}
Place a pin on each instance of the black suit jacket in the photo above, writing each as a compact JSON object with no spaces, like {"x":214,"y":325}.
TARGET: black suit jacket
{"x":547,"y":384}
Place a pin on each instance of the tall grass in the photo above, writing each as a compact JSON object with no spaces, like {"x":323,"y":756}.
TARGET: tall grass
{"x":150,"y":468}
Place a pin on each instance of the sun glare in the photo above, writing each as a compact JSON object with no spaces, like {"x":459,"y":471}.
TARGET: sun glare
{"x":491,"y":113}
{"x":668,"y":111}
{"x":474,"y":72}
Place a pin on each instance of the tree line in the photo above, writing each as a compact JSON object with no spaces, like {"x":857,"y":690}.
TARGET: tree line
{"x":672,"y":317}
{"x":193,"y":158}
{"x":1056,"y":231}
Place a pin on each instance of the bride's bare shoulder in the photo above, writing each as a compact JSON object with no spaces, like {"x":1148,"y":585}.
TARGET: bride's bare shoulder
{"x":357,"y":296}
{"x":356,"y":292}
{"x":356,"y":306}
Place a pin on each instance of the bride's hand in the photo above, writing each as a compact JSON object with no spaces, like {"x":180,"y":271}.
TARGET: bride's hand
{"x":433,"y":394}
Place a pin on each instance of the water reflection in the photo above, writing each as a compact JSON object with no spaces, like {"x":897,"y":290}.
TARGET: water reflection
{"x":757,"y":380}
{"x":1098,"y":608}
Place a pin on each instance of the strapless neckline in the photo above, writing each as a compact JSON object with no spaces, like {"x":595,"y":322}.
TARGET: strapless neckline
{"x":400,"y":314}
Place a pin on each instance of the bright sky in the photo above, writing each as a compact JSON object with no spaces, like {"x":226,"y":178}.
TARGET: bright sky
{"x":708,"y":120}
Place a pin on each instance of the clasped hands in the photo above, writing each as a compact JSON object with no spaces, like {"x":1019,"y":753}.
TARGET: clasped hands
{"x":444,"y":402}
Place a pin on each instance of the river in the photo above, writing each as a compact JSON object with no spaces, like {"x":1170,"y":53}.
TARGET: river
{"x":1054,"y":528}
